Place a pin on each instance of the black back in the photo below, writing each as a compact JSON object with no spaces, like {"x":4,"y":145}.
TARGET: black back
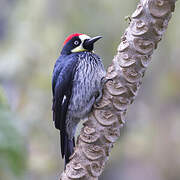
{"x":62,"y":80}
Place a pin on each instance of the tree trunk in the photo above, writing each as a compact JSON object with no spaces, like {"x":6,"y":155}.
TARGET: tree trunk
{"x":102,"y":129}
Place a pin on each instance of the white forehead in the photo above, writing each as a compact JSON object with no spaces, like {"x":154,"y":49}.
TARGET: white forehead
{"x":83,"y":37}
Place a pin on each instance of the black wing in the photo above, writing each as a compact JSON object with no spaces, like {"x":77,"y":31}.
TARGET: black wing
{"x":62,"y":85}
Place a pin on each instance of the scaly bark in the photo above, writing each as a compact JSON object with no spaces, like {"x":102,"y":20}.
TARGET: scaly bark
{"x":102,"y":129}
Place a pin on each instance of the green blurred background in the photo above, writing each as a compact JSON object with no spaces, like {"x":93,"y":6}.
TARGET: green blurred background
{"x":31,"y":36}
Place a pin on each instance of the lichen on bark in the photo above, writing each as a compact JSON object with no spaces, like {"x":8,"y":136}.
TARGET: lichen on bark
{"x":102,"y":129}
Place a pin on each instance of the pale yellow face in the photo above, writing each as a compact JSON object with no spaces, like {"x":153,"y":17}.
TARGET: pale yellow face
{"x":80,"y":48}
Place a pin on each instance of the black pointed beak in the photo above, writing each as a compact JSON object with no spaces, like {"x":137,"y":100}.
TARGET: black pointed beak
{"x":89,"y":43}
{"x":94,"y":39}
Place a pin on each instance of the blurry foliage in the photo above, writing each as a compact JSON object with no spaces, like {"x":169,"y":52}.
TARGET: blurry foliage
{"x":31,"y":36}
{"x":12,"y":148}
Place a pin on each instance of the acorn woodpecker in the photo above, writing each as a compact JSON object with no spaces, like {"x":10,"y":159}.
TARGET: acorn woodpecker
{"x":77,"y":83}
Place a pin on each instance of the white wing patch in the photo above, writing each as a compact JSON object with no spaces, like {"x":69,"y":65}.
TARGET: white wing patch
{"x":64,"y":98}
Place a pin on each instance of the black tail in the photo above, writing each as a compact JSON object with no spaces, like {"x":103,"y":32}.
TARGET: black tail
{"x":67,"y":146}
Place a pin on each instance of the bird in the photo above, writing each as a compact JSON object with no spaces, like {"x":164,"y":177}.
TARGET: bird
{"x":77,"y":83}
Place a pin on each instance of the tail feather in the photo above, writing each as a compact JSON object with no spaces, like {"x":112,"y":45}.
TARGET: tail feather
{"x":67,"y":146}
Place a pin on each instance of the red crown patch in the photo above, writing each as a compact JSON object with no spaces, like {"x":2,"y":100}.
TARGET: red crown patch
{"x":70,"y":37}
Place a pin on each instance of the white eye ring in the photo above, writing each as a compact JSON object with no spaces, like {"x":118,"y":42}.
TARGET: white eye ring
{"x":76,"y":42}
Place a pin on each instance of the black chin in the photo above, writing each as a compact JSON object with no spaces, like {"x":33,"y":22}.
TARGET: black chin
{"x":88,"y":46}
{"x":89,"y":43}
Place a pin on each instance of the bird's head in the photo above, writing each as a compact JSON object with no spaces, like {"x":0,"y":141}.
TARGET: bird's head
{"x":78,"y":42}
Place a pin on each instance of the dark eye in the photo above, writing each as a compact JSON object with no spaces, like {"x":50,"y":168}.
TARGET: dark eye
{"x":76,"y":43}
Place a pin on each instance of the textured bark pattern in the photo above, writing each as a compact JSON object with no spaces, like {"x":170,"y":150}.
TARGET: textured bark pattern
{"x":102,"y":128}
